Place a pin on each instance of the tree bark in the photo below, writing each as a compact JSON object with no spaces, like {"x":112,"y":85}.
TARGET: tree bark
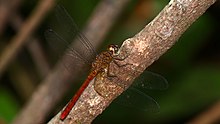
{"x":139,"y":52}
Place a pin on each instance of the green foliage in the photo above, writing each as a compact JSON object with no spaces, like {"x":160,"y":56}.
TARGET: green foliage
{"x":8,"y":105}
{"x":195,"y":89}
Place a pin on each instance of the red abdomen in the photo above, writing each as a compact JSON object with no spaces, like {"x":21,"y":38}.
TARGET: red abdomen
{"x":73,"y":101}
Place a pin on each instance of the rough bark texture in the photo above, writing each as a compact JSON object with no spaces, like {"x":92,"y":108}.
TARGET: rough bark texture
{"x":139,"y":51}
{"x":56,"y":84}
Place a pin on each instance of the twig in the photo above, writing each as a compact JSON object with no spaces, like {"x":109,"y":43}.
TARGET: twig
{"x":34,"y":48}
{"x":38,"y":57}
{"x":20,"y":39}
{"x":142,"y":50}
{"x":56,"y":84}
{"x":208,"y":117}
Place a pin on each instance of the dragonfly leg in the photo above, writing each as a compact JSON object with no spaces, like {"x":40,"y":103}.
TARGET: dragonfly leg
{"x":119,"y":64}
{"x":121,"y":58}
{"x":118,"y":58}
{"x":109,"y":74}
{"x":123,"y":55}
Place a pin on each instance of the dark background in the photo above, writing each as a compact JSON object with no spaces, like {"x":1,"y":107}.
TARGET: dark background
{"x":191,"y":66}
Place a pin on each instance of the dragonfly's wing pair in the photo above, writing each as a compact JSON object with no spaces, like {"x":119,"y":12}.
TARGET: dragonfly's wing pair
{"x":150,"y":81}
{"x":136,"y":97}
{"x":67,"y":31}
{"x":82,"y":50}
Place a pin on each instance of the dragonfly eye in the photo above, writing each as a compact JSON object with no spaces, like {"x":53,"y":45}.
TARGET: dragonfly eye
{"x":113,"y":48}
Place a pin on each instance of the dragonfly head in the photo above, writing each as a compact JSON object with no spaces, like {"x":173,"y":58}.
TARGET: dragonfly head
{"x":113,"y":49}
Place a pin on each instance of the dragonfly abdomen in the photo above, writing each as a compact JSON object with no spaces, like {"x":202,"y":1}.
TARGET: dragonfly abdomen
{"x":73,"y":101}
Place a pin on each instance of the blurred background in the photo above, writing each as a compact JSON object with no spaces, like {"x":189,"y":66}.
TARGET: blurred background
{"x":191,"y":66}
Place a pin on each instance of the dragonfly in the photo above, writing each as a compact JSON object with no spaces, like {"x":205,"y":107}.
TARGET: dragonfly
{"x":100,"y":65}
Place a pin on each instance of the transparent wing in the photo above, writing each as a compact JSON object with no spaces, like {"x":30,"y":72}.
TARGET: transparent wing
{"x":150,"y":81}
{"x":60,"y":39}
{"x":56,"y":40}
{"x":134,"y":98}
{"x":65,"y":31}
{"x":70,"y":32}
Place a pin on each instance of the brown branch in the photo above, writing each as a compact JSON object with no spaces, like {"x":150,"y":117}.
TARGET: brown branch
{"x":38,"y":56}
{"x":34,"y":48}
{"x":208,"y":117}
{"x":46,"y":96}
{"x":142,"y":50}
{"x":20,"y":39}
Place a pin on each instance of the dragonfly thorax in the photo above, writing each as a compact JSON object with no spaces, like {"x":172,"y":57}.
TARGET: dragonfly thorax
{"x":102,"y":60}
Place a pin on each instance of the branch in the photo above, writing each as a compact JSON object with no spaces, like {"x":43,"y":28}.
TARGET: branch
{"x":20,"y":39}
{"x":208,"y":117}
{"x":34,"y":48}
{"x":51,"y":90}
{"x":142,"y":50}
